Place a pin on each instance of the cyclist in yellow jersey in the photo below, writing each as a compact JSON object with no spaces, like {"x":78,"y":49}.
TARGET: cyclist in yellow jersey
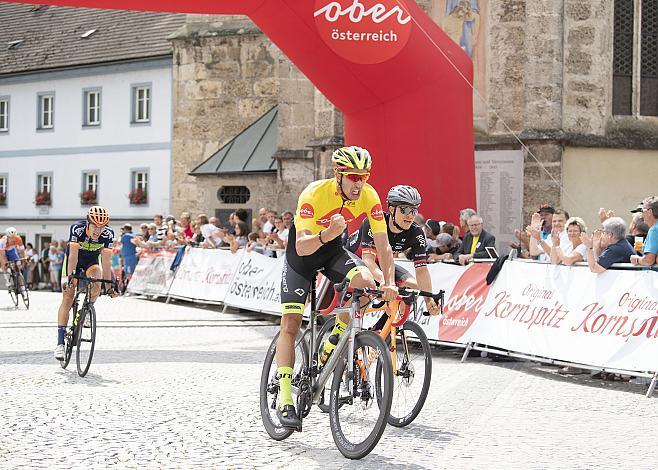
{"x":326,"y":208}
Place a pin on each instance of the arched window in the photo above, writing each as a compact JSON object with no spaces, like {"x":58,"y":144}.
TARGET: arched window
{"x":233,"y":194}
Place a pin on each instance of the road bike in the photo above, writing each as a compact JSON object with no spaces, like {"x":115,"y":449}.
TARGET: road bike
{"x":17,"y":285}
{"x":357,"y":411}
{"x":411,"y":355}
{"x":82,"y":331}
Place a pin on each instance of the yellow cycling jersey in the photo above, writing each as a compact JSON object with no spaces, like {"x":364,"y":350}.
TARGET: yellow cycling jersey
{"x":321,"y":199}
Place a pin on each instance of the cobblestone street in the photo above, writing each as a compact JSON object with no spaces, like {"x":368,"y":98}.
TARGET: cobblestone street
{"x":173,"y":386}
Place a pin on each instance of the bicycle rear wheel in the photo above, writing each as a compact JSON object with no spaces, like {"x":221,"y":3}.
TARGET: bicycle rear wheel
{"x":86,"y":339}
{"x":22,"y":289}
{"x":269,"y":387}
{"x":13,"y":291}
{"x":358,"y":420}
{"x":412,"y":374}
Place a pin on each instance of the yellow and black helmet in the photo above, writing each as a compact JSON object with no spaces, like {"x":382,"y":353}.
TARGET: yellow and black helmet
{"x":355,"y":158}
{"x":98,"y":216}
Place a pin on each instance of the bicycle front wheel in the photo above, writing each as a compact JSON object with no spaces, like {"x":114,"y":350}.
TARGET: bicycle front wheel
{"x":22,"y":289}
{"x":69,"y":342}
{"x":13,"y":291}
{"x":411,"y":375}
{"x":358,"y":418}
{"x":86,"y":339}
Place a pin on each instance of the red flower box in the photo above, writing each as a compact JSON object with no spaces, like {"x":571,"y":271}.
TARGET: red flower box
{"x":88,"y":197}
{"x":138,"y":196}
{"x":42,"y":198}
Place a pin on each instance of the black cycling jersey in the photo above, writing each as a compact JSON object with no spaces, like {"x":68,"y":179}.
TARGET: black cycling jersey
{"x":412,"y":239}
{"x":89,"y":251}
{"x":78,"y":234}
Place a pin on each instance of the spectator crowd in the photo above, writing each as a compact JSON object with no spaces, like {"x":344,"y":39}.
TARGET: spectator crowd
{"x":552,"y":236}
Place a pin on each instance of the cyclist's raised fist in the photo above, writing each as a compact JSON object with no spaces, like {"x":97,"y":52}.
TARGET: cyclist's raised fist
{"x":336,"y":225}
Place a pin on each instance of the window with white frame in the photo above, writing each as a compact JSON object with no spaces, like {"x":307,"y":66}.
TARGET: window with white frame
{"x":4,"y":114}
{"x":45,"y":183}
{"x":140,"y":182}
{"x":91,"y":182}
{"x":89,"y":194}
{"x":141,"y":103}
{"x":46,"y":111}
{"x":92,"y":108}
{"x":44,"y":189}
{"x":635,"y":58}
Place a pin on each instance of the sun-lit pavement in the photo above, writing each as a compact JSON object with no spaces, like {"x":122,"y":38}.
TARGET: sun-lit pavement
{"x":172,"y":386}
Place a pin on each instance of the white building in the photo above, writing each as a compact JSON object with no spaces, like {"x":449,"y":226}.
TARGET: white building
{"x":85,"y":116}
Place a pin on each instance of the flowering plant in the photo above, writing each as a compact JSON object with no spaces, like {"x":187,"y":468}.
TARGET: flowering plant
{"x":137,"y":196}
{"x":88,"y":197}
{"x":42,"y":198}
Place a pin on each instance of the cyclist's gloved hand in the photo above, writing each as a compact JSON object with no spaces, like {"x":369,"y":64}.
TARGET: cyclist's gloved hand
{"x":390,"y":292}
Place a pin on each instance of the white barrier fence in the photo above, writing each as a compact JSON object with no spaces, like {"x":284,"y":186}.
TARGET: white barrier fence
{"x":568,"y":314}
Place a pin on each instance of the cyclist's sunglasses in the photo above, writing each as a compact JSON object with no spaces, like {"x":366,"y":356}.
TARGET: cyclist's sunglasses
{"x":406,"y":210}
{"x":356,"y":177}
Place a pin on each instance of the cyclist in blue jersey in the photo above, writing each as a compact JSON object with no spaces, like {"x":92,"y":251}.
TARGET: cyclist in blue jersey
{"x":88,"y":252}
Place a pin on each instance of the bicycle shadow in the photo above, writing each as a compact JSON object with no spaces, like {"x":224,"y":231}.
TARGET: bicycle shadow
{"x":11,"y":308}
{"x":89,"y":380}
{"x":330,"y":457}
{"x":421,"y":431}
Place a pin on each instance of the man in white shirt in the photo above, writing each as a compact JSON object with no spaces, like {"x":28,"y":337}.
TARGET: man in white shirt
{"x":542,"y":247}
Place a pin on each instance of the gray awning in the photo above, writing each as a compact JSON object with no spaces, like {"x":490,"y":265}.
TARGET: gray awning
{"x":250,"y":151}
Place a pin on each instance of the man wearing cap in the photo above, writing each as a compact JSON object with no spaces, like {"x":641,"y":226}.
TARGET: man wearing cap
{"x":546,"y":212}
{"x":128,"y":251}
{"x":650,"y":250}
{"x":445,"y":249}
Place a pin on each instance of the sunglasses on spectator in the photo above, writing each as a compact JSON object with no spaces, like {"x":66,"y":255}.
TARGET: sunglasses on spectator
{"x":406,"y":210}
{"x":356,"y":177}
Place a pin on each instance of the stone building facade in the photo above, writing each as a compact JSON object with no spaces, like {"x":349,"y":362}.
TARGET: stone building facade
{"x":544,"y":79}
{"x":226,"y":75}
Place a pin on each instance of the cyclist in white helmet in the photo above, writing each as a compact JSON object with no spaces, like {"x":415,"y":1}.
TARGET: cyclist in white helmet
{"x":11,"y":250}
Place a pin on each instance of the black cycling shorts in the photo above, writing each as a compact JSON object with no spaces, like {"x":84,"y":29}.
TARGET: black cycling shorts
{"x":335,"y":262}
{"x":86,"y":261}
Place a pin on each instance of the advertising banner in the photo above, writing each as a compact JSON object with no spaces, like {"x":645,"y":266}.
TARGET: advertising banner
{"x":570,"y":314}
{"x":205,"y":275}
{"x":256,"y":284}
{"x":152,"y":275}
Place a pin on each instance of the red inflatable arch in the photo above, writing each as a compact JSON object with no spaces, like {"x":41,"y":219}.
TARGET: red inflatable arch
{"x":381,"y":63}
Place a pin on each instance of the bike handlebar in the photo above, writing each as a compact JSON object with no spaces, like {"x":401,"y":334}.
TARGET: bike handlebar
{"x":403,"y":293}
{"x":92,"y":279}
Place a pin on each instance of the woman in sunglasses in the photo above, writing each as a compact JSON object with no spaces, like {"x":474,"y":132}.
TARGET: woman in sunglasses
{"x":403,"y":234}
